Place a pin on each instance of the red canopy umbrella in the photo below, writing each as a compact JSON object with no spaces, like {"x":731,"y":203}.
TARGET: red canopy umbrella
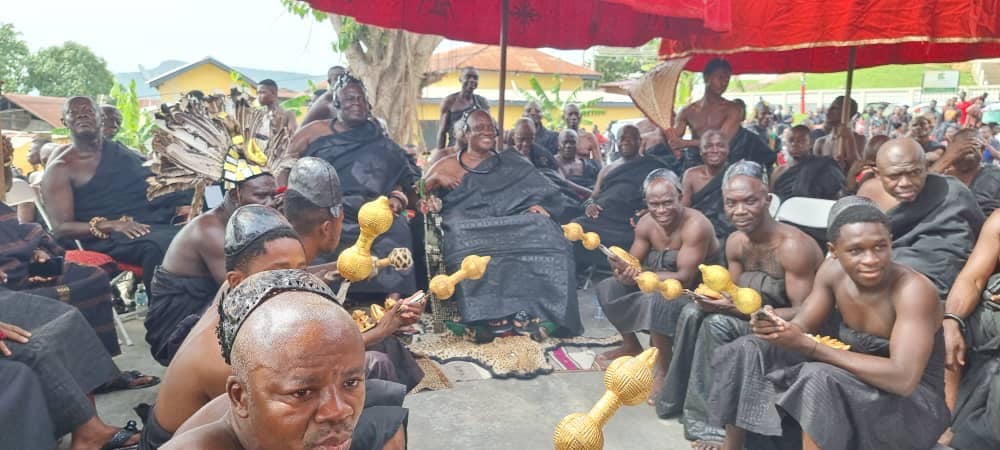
{"x":781,"y":36}
{"x":567,"y":24}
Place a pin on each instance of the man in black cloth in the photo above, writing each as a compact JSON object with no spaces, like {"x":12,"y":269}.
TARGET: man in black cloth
{"x":523,"y":138}
{"x":457,"y":104}
{"x":934,"y":219}
{"x":806,"y":175}
{"x":963,"y":160}
{"x":95,"y":191}
{"x":777,"y":260}
{"x":112,"y":121}
{"x":321,"y":109}
{"x":920,"y":129}
{"x":611,"y":209}
{"x":628,"y":144}
{"x":671,"y":240}
{"x":886,"y":392}
{"x":544,"y":137}
{"x":703,"y":184}
{"x":195,"y":266}
{"x":587,"y":146}
{"x":369,"y":165}
{"x":320,"y":362}
{"x":844,"y":153}
{"x":581,"y":171}
{"x":498,"y":205}
{"x":313,"y":205}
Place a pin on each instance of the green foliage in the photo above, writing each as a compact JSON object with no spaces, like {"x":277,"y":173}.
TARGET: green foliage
{"x":895,"y":76}
{"x":552,"y":103}
{"x":67,"y":70}
{"x":237,"y":79}
{"x":137,"y":125}
{"x":615,"y":67}
{"x":350,"y":30}
{"x":14,"y":56}
{"x":295,"y":103}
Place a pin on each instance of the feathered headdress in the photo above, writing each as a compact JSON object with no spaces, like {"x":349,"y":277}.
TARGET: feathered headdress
{"x":202,"y":140}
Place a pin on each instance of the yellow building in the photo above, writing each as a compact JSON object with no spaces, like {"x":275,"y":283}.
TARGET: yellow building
{"x":522,"y":65}
{"x":208,"y":75}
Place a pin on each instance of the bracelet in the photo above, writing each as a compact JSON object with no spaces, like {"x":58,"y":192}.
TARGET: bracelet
{"x":93,"y":227}
{"x":126,"y":219}
{"x":588,"y":202}
{"x":399,"y":195}
{"x":961,"y":323}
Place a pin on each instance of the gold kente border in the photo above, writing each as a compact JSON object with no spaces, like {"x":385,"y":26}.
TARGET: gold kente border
{"x":808,"y":45}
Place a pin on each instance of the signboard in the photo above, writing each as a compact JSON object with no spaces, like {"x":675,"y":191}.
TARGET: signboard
{"x":940,"y":82}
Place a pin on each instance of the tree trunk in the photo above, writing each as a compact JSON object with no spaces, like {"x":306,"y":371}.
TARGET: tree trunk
{"x":392,"y":64}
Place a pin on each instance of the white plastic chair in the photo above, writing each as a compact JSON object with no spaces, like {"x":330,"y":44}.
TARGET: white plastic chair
{"x":772,"y":209}
{"x":22,"y":192}
{"x":805,"y":211}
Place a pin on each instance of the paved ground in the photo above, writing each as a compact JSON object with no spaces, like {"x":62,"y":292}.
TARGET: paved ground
{"x":488,"y":414}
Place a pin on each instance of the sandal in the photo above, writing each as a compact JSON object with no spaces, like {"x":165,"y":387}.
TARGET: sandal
{"x":125,"y":381}
{"x":118,"y":441}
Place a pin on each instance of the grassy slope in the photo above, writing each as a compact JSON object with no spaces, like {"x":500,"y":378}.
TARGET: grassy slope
{"x":871,"y":78}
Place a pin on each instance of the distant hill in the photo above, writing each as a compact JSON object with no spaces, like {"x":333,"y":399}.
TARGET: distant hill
{"x":286,"y":80}
{"x":896,"y":76}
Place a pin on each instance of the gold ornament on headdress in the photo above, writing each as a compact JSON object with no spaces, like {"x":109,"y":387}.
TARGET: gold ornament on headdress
{"x":203,"y":140}
{"x":629,"y":381}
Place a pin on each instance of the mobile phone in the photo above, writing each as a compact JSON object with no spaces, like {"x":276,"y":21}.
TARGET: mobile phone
{"x":52,"y":267}
{"x":418,"y":299}
{"x":761,"y":315}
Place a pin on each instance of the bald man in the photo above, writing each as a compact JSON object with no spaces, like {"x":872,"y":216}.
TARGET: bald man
{"x":579,"y":170}
{"x":934,"y":219}
{"x":308,"y":392}
{"x":544,"y":137}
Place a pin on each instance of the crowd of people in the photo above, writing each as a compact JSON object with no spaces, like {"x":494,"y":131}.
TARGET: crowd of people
{"x":260,"y":353}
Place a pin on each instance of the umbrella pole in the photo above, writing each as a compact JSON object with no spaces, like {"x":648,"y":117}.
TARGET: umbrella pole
{"x":845,"y":112}
{"x":503,"y":71}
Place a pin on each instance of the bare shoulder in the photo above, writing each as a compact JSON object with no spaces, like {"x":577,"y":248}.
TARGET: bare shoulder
{"x":449,"y":100}
{"x":314,"y":129}
{"x":911,"y":286}
{"x":645,"y":225}
{"x":212,"y":436}
{"x":694,"y":171}
{"x":442,"y":164}
{"x":797,"y":246}
{"x":696,"y":224}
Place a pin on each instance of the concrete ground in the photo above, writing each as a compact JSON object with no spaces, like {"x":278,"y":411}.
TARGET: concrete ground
{"x":487,"y":414}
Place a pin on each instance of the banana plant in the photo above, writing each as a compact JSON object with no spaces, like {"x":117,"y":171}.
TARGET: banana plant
{"x":552,"y":103}
{"x":137,"y":125}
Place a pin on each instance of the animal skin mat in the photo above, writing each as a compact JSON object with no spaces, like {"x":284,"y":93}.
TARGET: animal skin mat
{"x":509,"y":357}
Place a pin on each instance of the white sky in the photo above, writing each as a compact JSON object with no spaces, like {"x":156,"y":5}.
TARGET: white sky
{"x":258,"y":34}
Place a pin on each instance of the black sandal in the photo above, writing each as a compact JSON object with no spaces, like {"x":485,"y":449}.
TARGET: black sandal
{"x":118,"y":441}
{"x":124,"y":382}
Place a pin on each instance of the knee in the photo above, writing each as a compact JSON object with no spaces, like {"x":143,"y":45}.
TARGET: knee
{"x":691,"y":311}
{"x":379,"y":366}
{"x":722,"y":327}
{"x":398,"y":440}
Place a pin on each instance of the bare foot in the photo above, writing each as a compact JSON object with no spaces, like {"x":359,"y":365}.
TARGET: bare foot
{"x":706,"y":445}
{"x":604,"y":359}
{"x":657,"y":386}
{"x":946,"y":437}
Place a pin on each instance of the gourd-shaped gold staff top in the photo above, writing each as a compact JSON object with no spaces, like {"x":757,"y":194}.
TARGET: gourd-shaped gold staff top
{"x":473,"y":268}
{"x":717,"y":278}
{"x":374,"y":218}
{"x":592,"y":241}
{"x":629,"y":381}
{"x":649,"y":282}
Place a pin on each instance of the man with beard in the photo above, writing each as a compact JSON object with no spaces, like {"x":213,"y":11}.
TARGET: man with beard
{"x":842,"y":143}
{"x":321,"y":107}
{"x":95,"y":191}
{"x":884,"y":392}
{"x":308,"y":392}
{"x":457,"y":104}
{"x":963,"y":160}
{"x":498,"y":205}
{"x":579,"y":170}
{"x":920,"y":129}
{"x":587,"y":146}
{"x":703,"y":184}
{"x":777,"y":260}
{"x":806,"y":175}
{"x":671,"y":240}
{"x":544,"y":137}
{"x":369,"y":165}
{"x":195,"y":266}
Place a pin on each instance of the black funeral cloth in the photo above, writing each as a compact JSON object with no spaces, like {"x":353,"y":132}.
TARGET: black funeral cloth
{"x":154,"y":435}
{"x":377,"y":425}
{"x":589,"y":176}
{"x":547,"y":139}
{"x":935,"y":233}
{"x":172,"y":299}
{"x":664,"y":152}
{"x":511,"y":187}
{"x":631,"y":310}
{"x":24,"y":416}
{"x":756,"y":382}
{"x":118,"y":188}
{"x":407,"y":371}
{"x":747,"y":145}
{"x":814,"y":177}
{"x":986,"y":187}
{"x":976,"y":418}
{"x":68,"y":358}
{"x":18,"y":243}
{"x":697,"y":336}
{"x":621,"y":198}
{"x":709,"y":201}
{"x":541,"y":157}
